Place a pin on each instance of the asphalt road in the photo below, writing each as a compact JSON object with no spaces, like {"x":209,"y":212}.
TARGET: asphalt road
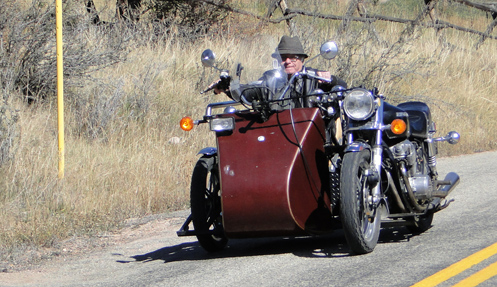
{"x":467,"y":226}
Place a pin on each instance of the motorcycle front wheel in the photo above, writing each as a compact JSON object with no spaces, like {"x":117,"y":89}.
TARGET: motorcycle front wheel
{"x":360,"y":219}
{"x":205,"y":203}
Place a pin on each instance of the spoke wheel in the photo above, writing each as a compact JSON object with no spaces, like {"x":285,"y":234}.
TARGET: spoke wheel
{"x":205,"y":203}
{"x":360,"y":219}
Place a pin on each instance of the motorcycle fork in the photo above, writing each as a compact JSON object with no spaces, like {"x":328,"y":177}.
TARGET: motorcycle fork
{"x":373,"y":173}
{"x":373,"y":179}
{"x":376,"y":161}
{"x":377,"y":153}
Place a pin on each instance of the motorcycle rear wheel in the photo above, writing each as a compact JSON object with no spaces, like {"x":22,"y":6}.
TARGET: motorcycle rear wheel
{"x":421,"y":223}
{"x":205,"y":203}
{"x":361,"y":221}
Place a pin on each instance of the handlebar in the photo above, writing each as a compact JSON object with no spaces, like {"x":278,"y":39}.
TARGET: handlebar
{"x":223,"y":83}
{"x":209,"y":88}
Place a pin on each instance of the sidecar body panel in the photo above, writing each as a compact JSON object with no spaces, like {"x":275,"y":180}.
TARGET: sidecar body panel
{"x":269,"y":187}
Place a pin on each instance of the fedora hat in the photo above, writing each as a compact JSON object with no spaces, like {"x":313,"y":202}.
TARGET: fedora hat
{"x":289,"y":45}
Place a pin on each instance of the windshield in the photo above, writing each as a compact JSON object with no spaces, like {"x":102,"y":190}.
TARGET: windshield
{"x":267,"y":71}
{"x":261,"y":70}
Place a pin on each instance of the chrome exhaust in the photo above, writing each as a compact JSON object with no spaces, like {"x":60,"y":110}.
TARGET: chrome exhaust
{"x":447,"y":185}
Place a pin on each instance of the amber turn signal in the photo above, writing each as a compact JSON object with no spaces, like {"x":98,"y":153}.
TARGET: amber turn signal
{"x":186,"y":124}
{"x":398,"y":126}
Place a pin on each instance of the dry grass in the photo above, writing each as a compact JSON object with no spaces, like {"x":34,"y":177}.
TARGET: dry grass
{"x":128,"y":167}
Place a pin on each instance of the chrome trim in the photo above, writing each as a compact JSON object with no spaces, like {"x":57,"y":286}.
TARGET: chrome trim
{"x":452,"y":138}
{"x":208,"y":110}
{"x":222,"y":124}
{"x":447,"y":185}
{"x":208,"y":151}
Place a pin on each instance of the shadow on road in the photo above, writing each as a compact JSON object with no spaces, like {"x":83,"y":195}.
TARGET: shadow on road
{"x":329,"y":246}
{"x":395,"y":235}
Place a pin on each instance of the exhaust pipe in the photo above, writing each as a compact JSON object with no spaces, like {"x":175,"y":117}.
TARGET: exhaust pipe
{"x":447,"y":185}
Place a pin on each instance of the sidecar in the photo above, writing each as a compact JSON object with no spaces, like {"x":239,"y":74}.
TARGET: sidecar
{"x":265,"y":178}
{"x":296,"y":160}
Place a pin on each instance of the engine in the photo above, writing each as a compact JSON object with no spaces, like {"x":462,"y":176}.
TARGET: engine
{"x":411,"y":153}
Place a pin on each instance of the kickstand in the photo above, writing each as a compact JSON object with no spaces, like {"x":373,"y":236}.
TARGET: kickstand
{"x":185,"y":229}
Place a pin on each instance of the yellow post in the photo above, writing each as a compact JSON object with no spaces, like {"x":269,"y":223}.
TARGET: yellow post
{"x":60,"y":85}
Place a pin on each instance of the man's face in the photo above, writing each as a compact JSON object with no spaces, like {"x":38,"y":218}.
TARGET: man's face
{"x":292,"y":63}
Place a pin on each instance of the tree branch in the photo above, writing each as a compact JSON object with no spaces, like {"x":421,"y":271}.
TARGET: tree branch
{"x":291,"y":13}
{"x":481,"y":6}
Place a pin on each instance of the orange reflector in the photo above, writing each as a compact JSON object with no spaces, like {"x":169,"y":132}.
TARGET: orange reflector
{"x":186,"y":124}
{"x":398,"y":126}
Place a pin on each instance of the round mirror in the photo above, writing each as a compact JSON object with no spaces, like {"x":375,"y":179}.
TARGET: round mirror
{"x":453,"y":137}
{"x":329,"y":50}
{"x":208,"y":58}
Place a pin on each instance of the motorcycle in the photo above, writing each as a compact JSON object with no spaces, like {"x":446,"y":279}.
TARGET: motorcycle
{"x":293,"y":159}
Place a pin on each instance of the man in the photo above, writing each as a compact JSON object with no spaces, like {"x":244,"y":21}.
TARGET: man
{"x":291,"y":55}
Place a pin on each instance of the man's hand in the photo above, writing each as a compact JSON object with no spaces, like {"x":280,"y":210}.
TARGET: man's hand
{"x":324,"y":74}
{"x":213,"y":86}
{"x":219,"y":87}
{"x":325,"y":85}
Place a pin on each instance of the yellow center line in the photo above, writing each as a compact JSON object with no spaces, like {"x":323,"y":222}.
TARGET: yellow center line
{"x":459,"y":267}
{"x":479,"y":277}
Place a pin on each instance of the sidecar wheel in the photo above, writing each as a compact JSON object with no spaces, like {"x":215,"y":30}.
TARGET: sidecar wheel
{"x":361,"y":222}
{"x":205,"y":203}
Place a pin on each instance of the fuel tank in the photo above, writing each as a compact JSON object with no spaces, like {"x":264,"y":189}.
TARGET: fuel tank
{"x":269,"y":185}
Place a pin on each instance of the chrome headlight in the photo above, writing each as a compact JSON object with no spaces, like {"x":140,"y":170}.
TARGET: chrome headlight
{"x":222,"y":124}
{"x":359,"y":104}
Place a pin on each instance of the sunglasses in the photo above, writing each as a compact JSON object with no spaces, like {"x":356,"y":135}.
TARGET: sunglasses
{"x":293,"y":58}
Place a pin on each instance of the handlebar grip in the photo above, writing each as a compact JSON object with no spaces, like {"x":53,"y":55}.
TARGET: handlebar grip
{"x":209,"y":88}
{"x":222,"y":84}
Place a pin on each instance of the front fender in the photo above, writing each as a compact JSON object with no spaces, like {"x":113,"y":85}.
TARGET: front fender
{"x":208,"y":151}
{"x":357,"y":146}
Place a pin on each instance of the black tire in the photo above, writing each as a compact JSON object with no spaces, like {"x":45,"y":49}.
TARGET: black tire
{"x":205,"y":203}
{"x":361,"y":230}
